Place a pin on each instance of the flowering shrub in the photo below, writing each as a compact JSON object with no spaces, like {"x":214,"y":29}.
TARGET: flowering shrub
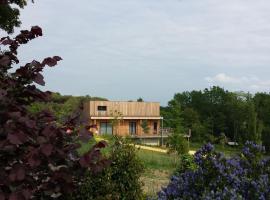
{"x":242,"y":177}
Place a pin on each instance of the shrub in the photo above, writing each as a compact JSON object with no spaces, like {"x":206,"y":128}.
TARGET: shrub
{"x":38,"y":158}
{"x":187,"y":163}
{"x":120,"y":180}
{"x":177,"y":143}
{"x":266,"y":138}
{"x":216,"y":177}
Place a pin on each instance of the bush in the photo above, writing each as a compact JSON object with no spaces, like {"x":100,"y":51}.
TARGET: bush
{"x":266,"y":138}
{"x":216,"y":177}
{"x":177,"y":143}
{"x":187,"y":163}
{"x":120,"y":180}
{"x":38,"y":158}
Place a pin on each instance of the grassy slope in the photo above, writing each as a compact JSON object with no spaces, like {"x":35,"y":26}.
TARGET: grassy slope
{"x":159,"y":167}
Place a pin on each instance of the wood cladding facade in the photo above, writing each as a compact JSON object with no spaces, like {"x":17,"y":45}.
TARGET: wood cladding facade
{"x":101,"y":113}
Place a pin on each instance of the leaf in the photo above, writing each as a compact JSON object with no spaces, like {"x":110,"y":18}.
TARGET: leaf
{"x":101,"y":144}
{"x":14,"y":139}
{"x":33,"y":158}
{"x":5,"y":61}
{"x":85,"y":161}
{"x":17,"y":138}
{"x":85,"y":135}
{"x":17,"y":173}
{"x":49,"y":61}
{"x":3,"y":93}
{"x":47,"y":149}
{"x":36,"y":30}
{"x":16,"y":196}
{"x":2,"y":196}
{"x":27,"y":193}
{"x":57,"y":58}
{"x":39,"y":79}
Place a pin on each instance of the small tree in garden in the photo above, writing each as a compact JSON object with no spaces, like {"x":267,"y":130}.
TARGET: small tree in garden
{"x":38,"y":159}
{"x":117,"y":116}
{"x":121,"y":180}
{"x":178,"y":144}
{"x":145,"y":126}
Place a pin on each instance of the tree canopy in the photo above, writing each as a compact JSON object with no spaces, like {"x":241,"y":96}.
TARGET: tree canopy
{"x":10,"y":13}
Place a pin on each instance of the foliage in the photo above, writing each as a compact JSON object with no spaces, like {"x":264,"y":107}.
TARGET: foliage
{"x":9,"y":14}
{"x":140,"y":99}
{"x":242,"y":177}
{"x":187,"y":163}
{"x":38,"y":158}
{"x":222,"y":139}
{"x":117,"y":117}
{"x":62,"y":106}
{"x":177,"y":143}
{"x":145,"y":126}
{"x":120,"y":180}
{"x":211,"y":112}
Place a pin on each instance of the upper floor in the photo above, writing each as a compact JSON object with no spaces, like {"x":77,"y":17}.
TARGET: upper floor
{"x":140,"y":110}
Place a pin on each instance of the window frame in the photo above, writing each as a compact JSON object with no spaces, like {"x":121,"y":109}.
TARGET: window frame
{"x":132,"y":127}
{"x":102,"y":108}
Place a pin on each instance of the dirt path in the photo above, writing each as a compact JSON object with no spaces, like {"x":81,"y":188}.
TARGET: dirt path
{"x":158,"y":149}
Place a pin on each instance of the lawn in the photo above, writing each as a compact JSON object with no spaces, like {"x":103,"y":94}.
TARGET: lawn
{"x":158,"y":169}
{"x":227,"y":150}
{"x":158,"y":166}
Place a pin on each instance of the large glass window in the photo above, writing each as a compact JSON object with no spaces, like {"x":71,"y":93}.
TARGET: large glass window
{"x":132,"y":128}
{"x":155,"y":127}
{"x":105,"y":128}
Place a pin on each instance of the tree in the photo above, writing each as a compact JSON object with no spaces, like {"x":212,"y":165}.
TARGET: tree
{"x":145,"y":126}
{"x":9,"y":14}
{"x":175,"y":116}
{"x":117,"y":117}
{"x":140,"y":100}
{"x":38,"y":158}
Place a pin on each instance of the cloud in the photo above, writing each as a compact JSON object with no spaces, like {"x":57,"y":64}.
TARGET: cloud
{"x":248,"y":83}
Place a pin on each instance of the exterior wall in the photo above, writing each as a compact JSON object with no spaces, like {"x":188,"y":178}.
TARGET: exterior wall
{"x":122,"y":128}
{"x":129,"y":109}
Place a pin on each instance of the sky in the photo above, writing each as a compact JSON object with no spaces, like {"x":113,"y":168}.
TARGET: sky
{"x":126,"y":49}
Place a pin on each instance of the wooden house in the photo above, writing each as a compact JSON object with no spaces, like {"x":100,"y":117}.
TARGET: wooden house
{"x":123,"y":117}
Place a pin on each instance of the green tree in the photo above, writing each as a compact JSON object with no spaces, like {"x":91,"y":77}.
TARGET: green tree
{"x":145,"y":126}
{"x":140,"y":100}
{"x":9,"y":14}
{"x":117,"y":117}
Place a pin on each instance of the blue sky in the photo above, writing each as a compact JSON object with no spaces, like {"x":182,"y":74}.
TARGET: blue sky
{"x":125,"y":49}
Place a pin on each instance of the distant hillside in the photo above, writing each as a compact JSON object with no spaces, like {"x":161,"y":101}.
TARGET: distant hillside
{"x":62,"y":106}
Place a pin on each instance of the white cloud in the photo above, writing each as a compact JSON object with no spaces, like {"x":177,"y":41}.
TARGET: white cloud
{"x":248,"y":83}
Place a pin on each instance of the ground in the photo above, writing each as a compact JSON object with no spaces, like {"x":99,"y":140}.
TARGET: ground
{"x":159,"y":165}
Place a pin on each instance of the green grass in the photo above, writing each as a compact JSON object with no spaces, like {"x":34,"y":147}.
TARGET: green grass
{"x":157,"y":160}
{"x":158,"y":170}
{"x":227,"y":150}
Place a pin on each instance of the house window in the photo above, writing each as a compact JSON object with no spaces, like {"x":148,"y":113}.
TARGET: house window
{"x":132,"y":128}
{"x":105,"y":128}
{"x":102,"y":108}
{"x":155,"y":127}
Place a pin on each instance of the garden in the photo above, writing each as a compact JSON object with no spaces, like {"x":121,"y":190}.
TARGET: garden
{"x":53,"y":155}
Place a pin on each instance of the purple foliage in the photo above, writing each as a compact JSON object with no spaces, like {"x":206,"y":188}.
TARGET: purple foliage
{"x":38,"y":159}
{"x":242,"y":177}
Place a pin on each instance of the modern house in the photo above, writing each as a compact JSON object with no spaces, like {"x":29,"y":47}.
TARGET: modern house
{"x":124,"y":118}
